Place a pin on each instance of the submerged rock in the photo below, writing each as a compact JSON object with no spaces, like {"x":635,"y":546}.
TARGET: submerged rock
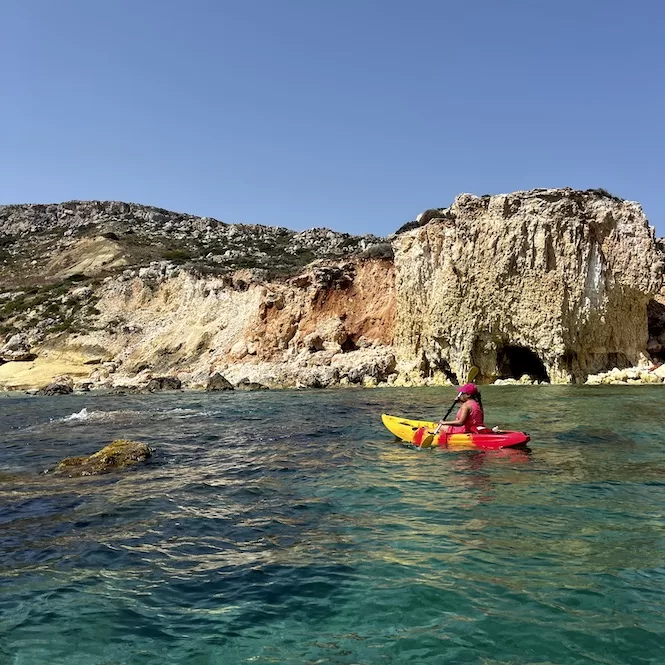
{"x":119,"y":454}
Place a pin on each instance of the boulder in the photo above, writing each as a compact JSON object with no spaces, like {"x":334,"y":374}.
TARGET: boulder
{"x":217,"y":382}
{"x":64,"y":380}
{"x":119,"y":454}
{"x":54,"y":388}
{"x":246,"y":384}
{"x":315,"y":377}
{"x":313,"y":342}
{"x":127,"y":389}
{"x":17,"y":349}
{"x":357,"y":366}
{"x":659,"y":372}
{"x":157,"y":384}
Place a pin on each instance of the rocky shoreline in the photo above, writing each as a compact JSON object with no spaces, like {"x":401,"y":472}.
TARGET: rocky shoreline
{"x":545,"y":286}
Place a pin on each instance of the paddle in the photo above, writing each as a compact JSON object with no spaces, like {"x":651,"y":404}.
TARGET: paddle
{"x":424,"y":438}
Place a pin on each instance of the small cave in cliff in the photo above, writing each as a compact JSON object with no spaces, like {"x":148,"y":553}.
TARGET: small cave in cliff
{"x":513,"y":362}
{"x":656,"y":325}
{"x":349,"y":345}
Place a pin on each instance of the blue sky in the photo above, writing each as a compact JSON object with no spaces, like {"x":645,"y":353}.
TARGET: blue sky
{"x":350,"y":114}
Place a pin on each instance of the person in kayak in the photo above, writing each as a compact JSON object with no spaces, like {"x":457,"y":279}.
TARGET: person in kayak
{"x":470,"y":417}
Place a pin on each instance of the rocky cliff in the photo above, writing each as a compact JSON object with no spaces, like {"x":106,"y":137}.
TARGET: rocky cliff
{"x":113,"y":294}
{"x":553,"y":284}
{"x":550,"y":283}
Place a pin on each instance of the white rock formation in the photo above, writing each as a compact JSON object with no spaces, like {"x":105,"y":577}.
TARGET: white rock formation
{"x":549,"y":283}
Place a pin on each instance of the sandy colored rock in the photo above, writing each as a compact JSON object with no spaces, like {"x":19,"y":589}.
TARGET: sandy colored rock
{"x":40,"y":372}
{"x":552,"y":283}
{"x":531,"y":286}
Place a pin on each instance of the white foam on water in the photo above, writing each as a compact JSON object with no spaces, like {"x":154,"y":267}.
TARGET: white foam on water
{"x":81,"y":415}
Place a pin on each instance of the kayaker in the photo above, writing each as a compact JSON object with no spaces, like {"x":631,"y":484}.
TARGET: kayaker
{"x":470,"y":417}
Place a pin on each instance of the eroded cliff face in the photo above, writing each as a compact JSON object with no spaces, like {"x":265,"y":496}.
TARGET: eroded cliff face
{"x":550,"y":283}
{"x":332,"y":323}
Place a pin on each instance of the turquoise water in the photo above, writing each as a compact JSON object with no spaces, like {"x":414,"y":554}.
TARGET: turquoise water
{"x":288,"y":527}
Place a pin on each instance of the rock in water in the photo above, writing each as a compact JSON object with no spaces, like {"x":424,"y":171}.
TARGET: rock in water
{"x":119,"y":454}
{"x":552,"y":283}
{"x":218,"y":382}
{"x":56,"y":388}
{"x":163,"y":383}
{"x":246,"y":384}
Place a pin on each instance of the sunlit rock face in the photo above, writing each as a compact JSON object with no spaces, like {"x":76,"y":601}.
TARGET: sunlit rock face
{"x":553,"y":283}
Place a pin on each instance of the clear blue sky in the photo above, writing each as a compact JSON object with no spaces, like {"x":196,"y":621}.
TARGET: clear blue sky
{"x":350,"y":114}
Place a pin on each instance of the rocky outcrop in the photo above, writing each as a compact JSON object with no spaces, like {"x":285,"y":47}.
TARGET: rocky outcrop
{"x":218,"y":383}
{"x":88,"y":238}
{"x":160,"y":383}
{"x":330,"y":323}
{"x":119,"y":454}
{"x":628,"y":376}
{"x":549,"y":283}
{"x":17,"y":349}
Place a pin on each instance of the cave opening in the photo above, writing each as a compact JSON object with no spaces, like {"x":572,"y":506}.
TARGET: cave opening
{"x":656,"y":327}
{"x":349,"y":345}
{"x":514,"y":361}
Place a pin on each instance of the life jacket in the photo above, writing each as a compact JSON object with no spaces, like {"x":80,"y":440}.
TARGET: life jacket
{"x":474,"y":421}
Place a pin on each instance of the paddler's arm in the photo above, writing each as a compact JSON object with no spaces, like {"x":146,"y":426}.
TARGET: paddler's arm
{"x":464,"y":414}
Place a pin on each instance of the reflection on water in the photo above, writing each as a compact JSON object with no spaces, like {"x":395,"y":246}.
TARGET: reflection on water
{"x":289,"y":528}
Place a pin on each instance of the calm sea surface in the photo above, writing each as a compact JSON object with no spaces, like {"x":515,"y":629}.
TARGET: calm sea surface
{"x":288,"y":527}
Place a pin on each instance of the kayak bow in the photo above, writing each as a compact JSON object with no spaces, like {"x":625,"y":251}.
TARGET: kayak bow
{"x":421,"y":433}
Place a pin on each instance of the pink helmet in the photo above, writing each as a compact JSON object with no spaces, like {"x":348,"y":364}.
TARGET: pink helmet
{"x":469,"y":389}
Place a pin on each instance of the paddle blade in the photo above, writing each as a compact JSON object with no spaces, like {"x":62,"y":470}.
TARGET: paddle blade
{"x":423,"y":438}
{"x":473,"y":373}
{"x":419,"y":435}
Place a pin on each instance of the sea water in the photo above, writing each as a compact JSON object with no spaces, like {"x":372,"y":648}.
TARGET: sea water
{"x":289,"y":527}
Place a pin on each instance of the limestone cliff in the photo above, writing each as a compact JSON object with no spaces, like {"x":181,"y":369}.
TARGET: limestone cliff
{"x":303,"y":331}
{"x":113,"y":294}
{"x":553,"y":283}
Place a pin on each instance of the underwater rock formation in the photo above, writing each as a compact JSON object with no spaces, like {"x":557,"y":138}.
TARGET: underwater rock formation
{"x":119,"y":454}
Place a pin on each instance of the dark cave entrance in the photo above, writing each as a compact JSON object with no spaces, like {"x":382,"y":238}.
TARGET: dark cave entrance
{"x":513,"y":362}
{"x":656,"y":326}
